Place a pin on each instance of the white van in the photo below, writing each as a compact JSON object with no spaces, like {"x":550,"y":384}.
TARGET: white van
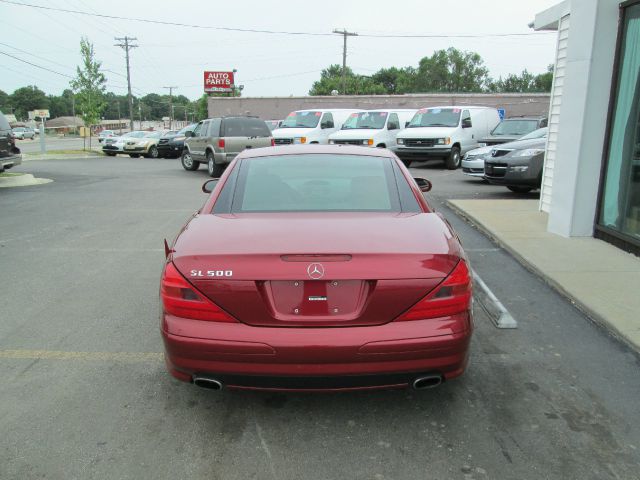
{"x":372,"y":128}
{"x":310,"y":126}
{"x":445,"y":133}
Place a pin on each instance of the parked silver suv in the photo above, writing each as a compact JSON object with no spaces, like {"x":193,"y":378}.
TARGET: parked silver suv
{"x":217,"y":141}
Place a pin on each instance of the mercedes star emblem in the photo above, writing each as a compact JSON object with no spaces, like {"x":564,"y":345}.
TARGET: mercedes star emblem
{"x":315,"y":271}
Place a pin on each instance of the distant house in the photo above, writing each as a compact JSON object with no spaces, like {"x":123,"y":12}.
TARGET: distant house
{"x":63,"y":124}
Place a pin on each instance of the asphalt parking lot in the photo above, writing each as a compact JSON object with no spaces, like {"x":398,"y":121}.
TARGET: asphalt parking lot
{"x":85,"y":394}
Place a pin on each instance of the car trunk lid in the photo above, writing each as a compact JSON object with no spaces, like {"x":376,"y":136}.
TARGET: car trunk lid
{"x":316,"y":269}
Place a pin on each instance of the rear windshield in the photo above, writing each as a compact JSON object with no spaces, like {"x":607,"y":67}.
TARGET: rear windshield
{"x":367,"y":120}
{"x":245,"y":127}
{"x":515,"y":127}
{"x":539,"y":133}
{"x":436,"y":117}
{"x":307,"y":119}
{"x":316,"y":183}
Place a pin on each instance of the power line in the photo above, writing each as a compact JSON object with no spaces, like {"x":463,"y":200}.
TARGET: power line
{"x":34,"y":65}
{"x":271,"y":32}
{"x":127,"y":46}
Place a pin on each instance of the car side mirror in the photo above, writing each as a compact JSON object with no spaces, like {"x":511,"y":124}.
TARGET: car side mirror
{"x":209,"y":185}
{"x":466,"y":123}
{"x":188,"y":133}
{"x":324,"y":125}
{"x":423,"y":184}
{"x":406,"y":124}
{"x":392,"y":126}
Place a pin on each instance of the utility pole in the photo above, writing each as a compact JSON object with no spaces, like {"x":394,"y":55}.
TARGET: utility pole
{"x":345,"y":34}
{"x":119,"y":117}
{"x":171,"y":105}
{"x":124,"y":43}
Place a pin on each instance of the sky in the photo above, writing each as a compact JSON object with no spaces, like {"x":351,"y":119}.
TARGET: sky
{"x":267,"y":64}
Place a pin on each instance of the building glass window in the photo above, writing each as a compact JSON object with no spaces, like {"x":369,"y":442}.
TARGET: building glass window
{"x":620,"y":208}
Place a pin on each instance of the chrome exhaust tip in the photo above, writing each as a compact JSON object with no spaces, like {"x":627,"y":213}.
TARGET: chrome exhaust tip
{"x":209,"y":383}
{"x":428,"y":381}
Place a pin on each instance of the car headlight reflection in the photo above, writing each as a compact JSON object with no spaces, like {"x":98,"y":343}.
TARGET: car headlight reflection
{"x":529,"y":152}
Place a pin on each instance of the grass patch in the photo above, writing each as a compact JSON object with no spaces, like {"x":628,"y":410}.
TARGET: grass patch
{"x":10,"y":174}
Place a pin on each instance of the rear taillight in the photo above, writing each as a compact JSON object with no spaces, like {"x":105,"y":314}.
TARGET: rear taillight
{"x":273,"y":142}
{"x":221,"y":143}
{"x":179,"y":298}
{"x":452,"y":296}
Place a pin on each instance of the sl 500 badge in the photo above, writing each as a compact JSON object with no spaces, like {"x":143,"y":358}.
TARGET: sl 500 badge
{"x":212,"y":273}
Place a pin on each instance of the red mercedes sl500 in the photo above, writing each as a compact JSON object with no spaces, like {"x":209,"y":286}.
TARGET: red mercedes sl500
{"x":316,"y":268}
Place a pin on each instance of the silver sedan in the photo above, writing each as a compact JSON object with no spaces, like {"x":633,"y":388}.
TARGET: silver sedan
{"x":473,"y":161}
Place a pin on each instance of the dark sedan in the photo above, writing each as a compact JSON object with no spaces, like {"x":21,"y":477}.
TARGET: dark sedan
{"x":516,"y":165}
{"x":172,"y":143}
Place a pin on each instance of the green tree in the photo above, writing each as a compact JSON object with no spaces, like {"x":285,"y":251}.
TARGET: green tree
{"x":111,"y":111}
{"x":544,"y":81}
{"x":201,"y":107}
{"x":524,"y":83}
{"x":5,"y":103}
{"x":395,"y":80}
{"x":451,"y":70}
{"x":331,"y":79}
{"x":61,"y":106}
{"x":89,"y":85}
{"x":25,"y":99}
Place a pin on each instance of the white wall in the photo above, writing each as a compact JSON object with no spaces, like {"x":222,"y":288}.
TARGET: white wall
{"x":581,"y":129}
{"x":554,"y":112}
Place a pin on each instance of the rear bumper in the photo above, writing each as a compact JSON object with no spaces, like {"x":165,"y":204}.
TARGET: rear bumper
{"x":135,"y":149}
{"x":382,"y":356}
{"x":111,"y":148}
{"x":10,"y":161}
{"x":222,"y":158}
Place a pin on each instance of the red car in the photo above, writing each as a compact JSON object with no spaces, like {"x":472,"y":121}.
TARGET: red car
{"x":316,"y":268}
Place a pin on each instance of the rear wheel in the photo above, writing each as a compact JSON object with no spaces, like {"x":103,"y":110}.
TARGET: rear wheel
{"x":518,"y":189}
{"x":187,"y":161}
{"x":153,"y":152}
{"x":453,"y":161}
{"x":214,"y":169}
{"x":134,"y":155}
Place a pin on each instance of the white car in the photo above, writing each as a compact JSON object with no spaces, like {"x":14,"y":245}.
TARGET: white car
{"x":106,"y":134}
{"x":473,"y":161}
{"x":445,"y":133}
{"x":23,"y":132}
{"x":310,"y":126}
{"x":372,"y":128}
{"x":114,"y":145}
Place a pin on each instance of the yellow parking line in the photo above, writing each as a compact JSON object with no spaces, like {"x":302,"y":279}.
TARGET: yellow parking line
{"x":135,"y":357}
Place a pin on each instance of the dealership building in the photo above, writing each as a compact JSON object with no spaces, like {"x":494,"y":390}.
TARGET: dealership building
{"x":591,"y":177}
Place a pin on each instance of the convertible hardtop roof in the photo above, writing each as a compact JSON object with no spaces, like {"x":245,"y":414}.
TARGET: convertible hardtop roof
{"x":316,"y":149}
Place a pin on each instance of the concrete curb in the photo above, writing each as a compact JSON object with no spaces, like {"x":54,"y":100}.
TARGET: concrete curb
{"x":595,"y":317}
{"x":493,"y":307}
{"x":27,"y":157}
{"x":23,"y":180}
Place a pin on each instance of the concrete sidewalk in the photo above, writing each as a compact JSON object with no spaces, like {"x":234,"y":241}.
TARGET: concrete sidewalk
{"x":599,"y":278}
